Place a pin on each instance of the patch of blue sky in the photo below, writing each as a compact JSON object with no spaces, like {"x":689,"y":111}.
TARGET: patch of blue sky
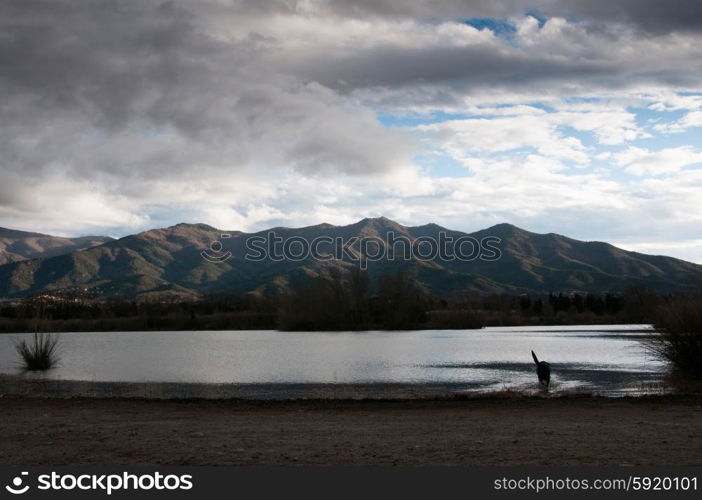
{"x":416,"y":119}
{"x":646,"y":117}
{"x":540,"y":105}
{"x":586,"y":138}
{"x":501,"y":27}
{"x":410,"y":120}
{"x":689,"y":137}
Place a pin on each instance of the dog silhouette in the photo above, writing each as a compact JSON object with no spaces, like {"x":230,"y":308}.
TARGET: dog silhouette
{"x":543,"y":370}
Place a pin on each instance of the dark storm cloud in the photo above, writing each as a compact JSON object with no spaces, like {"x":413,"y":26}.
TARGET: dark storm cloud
{"x":157,"y":64}
{"x":134,"y":102}
{"x":456,"y":68}
{"x":653,"y":16}
{"x":424,"y":9}
{"x":556,"y":57}
{"x":145,"y":88}
{"x":99,"y":58}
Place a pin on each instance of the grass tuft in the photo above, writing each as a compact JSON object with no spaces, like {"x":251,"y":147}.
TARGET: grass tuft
{"x":40,"y":353}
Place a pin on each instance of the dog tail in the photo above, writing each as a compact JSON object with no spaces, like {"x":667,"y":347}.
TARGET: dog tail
{"x":536,"y":360}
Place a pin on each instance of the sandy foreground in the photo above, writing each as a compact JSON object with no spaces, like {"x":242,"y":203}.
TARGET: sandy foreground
{"x":558,"y":431}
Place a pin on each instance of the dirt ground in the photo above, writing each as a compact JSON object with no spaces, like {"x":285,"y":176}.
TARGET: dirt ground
{"x":488,"y":431}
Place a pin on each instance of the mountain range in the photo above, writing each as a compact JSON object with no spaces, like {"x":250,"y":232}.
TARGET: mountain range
{"x":168,"y":262}
{"x":16,"y":245}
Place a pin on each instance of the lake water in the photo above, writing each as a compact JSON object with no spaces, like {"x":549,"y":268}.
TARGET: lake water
{"x":606,"y":359}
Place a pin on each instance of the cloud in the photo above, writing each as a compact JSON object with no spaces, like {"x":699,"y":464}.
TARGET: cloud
{"x":670,"y":101}
{"x":148,"y":87}
{"x":639,"y":161}
{"x":118,"y":116}
{"x":118,"y":98}
{"x":462,"y":138}
{"x":400,"y":63}
{"x":518,"y":127}
{"x":687,"y":249}
{"x":650,"y":16}
{"x":688,"y":120}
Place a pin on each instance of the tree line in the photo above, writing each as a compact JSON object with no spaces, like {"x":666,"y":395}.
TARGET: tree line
{"x":333,"y":301}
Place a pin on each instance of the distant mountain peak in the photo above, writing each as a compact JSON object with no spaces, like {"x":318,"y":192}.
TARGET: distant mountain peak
{"x":376,"y":226}
{"x":380,"y":219}
{"x":505,"y":226}
{"x":377,"y":222}
{"x":196,"y":225}
{"x":430,"y":225}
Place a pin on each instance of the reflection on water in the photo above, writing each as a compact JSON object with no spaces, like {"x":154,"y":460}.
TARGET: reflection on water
{"x":606,"y":359}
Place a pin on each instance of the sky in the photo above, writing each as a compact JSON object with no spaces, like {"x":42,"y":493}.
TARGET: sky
{"x":579,"y":118}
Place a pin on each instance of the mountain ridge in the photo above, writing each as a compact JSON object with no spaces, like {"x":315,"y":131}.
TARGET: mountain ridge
{"x":169,"y":262}
{"x":17,"y":245}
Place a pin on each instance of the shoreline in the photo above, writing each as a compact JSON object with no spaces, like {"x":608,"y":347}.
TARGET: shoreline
{"x":72,"y":328}
{"x":576,"y":430}
{"x":27,"y":386}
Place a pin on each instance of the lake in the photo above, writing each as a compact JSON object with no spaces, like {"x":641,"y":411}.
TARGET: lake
{"x":607,"y":359}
